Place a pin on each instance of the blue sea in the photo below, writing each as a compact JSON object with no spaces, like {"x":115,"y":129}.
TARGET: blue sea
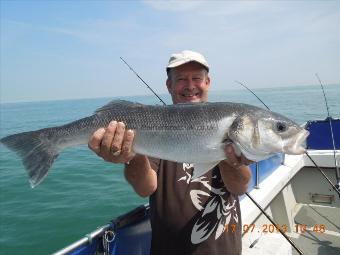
{"x":82,"y":192}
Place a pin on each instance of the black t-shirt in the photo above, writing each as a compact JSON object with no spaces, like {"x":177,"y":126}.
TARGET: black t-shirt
{"x":193,"y":216}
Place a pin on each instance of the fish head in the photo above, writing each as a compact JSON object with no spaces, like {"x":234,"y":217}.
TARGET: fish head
{"x":263,"y":133}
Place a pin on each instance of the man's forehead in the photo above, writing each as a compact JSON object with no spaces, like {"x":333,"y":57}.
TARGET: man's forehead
{"x":189,"y":69}
{"x":189,"y":72}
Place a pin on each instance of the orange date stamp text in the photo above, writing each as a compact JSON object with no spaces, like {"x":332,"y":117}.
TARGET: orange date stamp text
{"x":271,"y":228}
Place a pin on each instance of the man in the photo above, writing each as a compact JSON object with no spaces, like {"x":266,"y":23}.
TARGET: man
{"x":188,"y":216}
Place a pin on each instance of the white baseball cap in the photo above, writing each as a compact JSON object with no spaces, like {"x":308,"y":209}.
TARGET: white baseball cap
{"x":186,"y":56}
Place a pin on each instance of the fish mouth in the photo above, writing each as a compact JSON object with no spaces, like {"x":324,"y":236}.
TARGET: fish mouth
{"x":297,"y":144}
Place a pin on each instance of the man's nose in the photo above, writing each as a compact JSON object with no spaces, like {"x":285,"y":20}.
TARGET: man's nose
{"x":190,"y":83}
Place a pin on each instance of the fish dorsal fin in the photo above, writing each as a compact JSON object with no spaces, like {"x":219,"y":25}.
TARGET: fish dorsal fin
{"x":116,"y":103}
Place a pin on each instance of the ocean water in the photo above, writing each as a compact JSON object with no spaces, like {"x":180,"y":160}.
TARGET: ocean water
{"x":82,"y":192}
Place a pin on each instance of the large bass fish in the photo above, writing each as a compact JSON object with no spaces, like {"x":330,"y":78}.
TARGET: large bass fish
{"x":191,"y":133}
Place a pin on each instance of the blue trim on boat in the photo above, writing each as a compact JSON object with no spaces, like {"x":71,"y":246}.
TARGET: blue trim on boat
{"x":320,"y":138}
{"x":266,"y":167}
{"x":133,"y":239}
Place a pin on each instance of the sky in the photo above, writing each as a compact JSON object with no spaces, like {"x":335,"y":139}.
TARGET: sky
{"x":51,"y":50}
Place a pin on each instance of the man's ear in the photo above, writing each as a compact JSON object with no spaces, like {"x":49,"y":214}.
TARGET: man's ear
{"x":207,"y":81}
{"x":168,"y":84}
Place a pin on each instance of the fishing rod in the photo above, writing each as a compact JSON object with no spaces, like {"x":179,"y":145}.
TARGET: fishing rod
{"x":250,"y":197}
{"x":317,"y":167}
{"x":143,"y":81}
{"x":252,"y":93}
{"x":275,"y":224}
{"x":337,"y":174}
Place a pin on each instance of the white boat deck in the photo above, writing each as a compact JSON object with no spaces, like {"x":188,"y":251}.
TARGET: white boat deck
{"x":322,"y":234}
{"x":301,"y":202}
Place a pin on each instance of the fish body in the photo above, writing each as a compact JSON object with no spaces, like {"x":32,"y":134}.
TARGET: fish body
{"x":191,"y":133}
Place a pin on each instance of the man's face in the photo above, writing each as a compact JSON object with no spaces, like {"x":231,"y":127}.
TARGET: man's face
{"x":188,"y":83}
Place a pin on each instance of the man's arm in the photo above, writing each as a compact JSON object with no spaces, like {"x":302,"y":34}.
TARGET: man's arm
{"x":114,"y":144}
{"x":235,"y":172}
{"x":141,"y":176}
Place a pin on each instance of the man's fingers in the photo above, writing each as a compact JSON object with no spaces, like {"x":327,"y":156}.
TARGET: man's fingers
{"x":113,"y":144}
{"x":107,"y":139}
{"x":118,"y":138}
{"x":127,"y":144}
{"x":231,"y":154}
{"x":95,"y":140}
{"x":234,"y":160}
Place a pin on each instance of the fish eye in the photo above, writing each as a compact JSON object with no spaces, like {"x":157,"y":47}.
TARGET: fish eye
{"x":281,"y":127}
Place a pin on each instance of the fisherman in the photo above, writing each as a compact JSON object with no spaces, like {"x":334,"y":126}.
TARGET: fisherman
{"x":188,"y":216}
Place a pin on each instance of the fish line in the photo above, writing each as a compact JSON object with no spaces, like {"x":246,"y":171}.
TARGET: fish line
{"x":252,"y":199}
{"x":143,"y":81}
{"x":331,"y":129}
{"x":317,"y":167}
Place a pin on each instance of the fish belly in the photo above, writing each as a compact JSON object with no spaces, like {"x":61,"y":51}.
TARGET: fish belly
{"x":180,"y":146}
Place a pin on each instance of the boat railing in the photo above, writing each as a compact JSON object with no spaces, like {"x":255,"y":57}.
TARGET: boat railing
{"x":91,"y":240}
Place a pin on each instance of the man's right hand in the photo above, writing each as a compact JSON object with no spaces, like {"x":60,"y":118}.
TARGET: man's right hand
{"x":114,"y":143}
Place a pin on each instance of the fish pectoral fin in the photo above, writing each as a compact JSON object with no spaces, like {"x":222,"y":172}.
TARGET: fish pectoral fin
{"x":237,"y":150}
{"x":202,"y":168}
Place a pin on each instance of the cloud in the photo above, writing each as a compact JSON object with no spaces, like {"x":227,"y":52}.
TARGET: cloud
{"x":95,"y":31}
{"x":266,"y":43}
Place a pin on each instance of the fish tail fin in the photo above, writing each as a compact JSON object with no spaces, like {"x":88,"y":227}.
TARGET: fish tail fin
{"x":36,"y":150}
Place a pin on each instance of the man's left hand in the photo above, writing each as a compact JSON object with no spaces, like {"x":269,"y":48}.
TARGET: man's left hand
{"x":233,"y":160}
{"x":235,"y":172}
